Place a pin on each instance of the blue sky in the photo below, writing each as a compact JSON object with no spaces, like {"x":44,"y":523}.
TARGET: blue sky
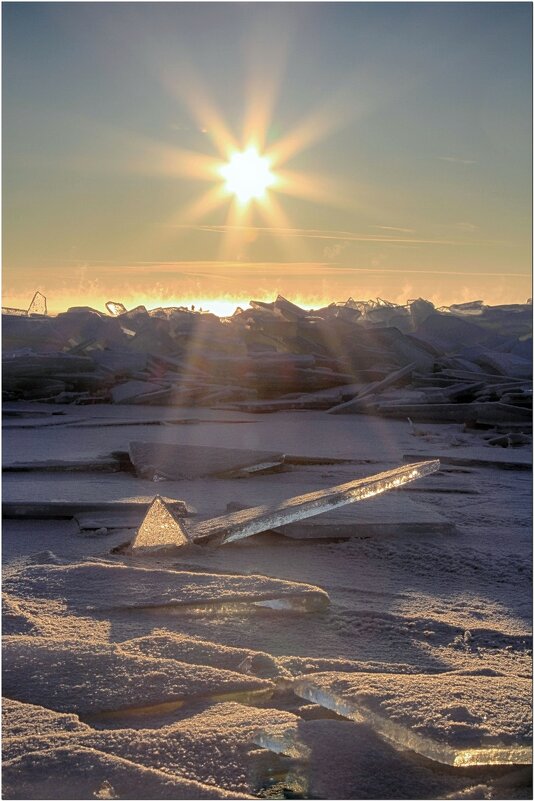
{"x":413,"y":129}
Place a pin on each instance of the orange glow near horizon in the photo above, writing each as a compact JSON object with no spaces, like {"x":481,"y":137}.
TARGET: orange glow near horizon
{"x":224,"y":304}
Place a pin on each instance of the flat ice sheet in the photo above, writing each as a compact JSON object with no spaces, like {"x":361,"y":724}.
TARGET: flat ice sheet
{"x":177,"y":462}
{"x":21,"y":720}
{"x":201,"y":652}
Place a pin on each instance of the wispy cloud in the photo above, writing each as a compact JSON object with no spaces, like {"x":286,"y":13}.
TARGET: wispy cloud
{"x":315,"y":233}
{"x":338,"y":236}
{"x":228,"y":270}
{"x":466,"y":226}
{"x":456,"y":160}
{"x":394,"y":228}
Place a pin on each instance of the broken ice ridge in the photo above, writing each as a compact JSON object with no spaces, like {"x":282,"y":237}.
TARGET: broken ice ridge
{"x":277,"y":355}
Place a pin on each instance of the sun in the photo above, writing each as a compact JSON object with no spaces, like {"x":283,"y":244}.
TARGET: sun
{"x":247,"y":175}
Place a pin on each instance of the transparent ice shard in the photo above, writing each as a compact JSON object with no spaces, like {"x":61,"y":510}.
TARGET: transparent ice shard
{"x":244,"y":523}
{"x":38,"y":304}
{"x":301,"y":603}
{"x":283,"y":739}
{"x":14,"y":312}
{"x":492,"y":725}
{"x":307,"y":602}
{"x":160,"y":529}
{"x":115,"y":308}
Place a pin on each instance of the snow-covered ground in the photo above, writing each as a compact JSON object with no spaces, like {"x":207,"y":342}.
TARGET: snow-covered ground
{"x":167,"y":676}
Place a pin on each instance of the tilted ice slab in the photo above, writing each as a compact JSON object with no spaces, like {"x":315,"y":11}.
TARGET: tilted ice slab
{"x":93,"y":678}
{"x":214,"y":746}
{"x":451,"y":718}
{"x":241,"y":524}
{"x":100,"y":586}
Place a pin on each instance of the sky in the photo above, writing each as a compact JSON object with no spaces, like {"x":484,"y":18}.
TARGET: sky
{"x":399,"y":137}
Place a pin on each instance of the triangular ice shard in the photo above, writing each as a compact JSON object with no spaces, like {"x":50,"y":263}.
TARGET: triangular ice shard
{"x":160,"y":529}
{"x":38,"y":304}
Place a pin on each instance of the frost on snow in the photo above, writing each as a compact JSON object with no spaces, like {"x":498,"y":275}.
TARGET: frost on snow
{"x":101,"y":585}
{"x":75,"y":772}
{"x":214,"y":746}
{"x":97,"y":678}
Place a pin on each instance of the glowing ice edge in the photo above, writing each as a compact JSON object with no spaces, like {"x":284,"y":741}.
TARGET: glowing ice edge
{"x":247,"y":697}
{"x":400,"y":736}
{"x":313,"y":600}
{"x":242,"y":524}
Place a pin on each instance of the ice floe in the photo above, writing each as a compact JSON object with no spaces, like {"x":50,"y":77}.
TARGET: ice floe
{"x":94,"y":678}
{"x":93,"y":586}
